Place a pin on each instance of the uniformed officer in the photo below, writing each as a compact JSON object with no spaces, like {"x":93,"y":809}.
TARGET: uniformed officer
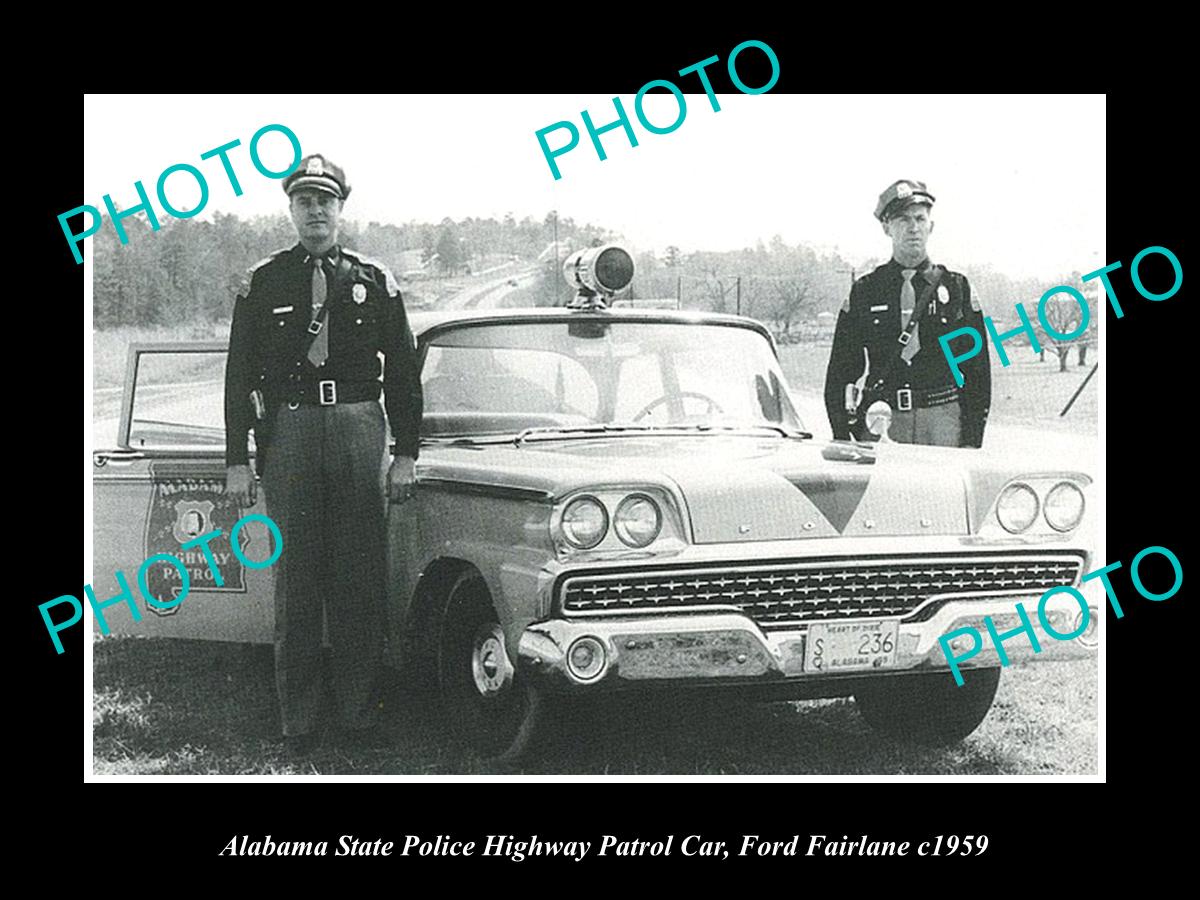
{"x":890,"y":325}
{"x":303,"y":372}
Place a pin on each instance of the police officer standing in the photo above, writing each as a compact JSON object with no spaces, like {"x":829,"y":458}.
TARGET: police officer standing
{"x":303,"y":370}
{"x":890,"y":325}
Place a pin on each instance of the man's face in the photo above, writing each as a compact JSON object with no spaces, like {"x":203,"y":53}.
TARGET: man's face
{"x":909,"y":230}
{"x":316,"y":215}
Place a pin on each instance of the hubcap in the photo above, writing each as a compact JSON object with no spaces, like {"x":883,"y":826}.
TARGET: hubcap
{"x":490,"y":666}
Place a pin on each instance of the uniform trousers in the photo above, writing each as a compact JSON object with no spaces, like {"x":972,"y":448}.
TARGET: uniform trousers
{"x":940,"y":426}
{"x":323,"y":483}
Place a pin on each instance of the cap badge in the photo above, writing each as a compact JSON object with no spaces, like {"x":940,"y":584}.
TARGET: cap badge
{"x":315,"y":166}
{"x":359,"y":293}
{"x":903,"y":191}
{"x":943,"y":294}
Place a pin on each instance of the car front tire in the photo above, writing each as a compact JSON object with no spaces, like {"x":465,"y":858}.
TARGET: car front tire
{"x":488,"y":706}
{"x":928,"y":708}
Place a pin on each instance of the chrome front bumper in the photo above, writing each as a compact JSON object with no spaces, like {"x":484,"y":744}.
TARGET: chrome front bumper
{"x":729,"y":648}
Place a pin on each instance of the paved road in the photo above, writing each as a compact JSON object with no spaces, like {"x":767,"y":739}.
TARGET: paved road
{"x":488,"y":294}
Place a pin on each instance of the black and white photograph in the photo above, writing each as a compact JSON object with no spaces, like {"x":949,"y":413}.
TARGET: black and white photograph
{"x":706,"y":431}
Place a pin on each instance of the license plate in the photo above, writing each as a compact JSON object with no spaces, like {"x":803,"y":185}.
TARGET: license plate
{"x":834,"y":647}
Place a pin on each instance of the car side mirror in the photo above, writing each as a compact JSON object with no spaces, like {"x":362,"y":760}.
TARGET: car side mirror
{"x":879,"y":419}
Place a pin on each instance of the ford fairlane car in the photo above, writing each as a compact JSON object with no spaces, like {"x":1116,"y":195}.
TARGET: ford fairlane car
{"x":615,"y":499}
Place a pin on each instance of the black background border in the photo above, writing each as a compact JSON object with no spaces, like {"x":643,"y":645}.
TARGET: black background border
{"x":1150,"y":471}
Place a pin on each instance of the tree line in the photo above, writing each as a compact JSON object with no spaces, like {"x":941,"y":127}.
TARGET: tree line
{"x":189,"y":270}
{"x":798,"y":291}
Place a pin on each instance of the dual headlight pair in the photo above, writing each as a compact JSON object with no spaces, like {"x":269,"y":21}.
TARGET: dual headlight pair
{"x":637,"y":521}
{"x":1019,"y":505}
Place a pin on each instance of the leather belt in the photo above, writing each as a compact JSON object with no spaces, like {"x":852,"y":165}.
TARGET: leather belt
{"x":915,"y":398}
{"x":330,"y":392}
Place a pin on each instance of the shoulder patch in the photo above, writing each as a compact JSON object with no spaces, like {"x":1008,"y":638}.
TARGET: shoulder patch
{"x":389,"y":282}
{"x":963,"y":286}
{"x":266,"y":259}
{"x":243,"y":289}
{"x":869,"y":275}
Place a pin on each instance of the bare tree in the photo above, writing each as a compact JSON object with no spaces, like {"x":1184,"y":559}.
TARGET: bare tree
{"x":793,"y":281}
{"x":715,"y":283}
{"x":717,"y":288}
{"x":1063,"y":315}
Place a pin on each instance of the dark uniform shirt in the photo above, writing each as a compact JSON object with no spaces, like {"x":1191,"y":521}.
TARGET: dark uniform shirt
{"x":269,"y":341}
{"x":871,"y":319}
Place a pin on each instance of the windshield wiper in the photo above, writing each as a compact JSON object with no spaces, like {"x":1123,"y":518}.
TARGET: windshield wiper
{"x":566,"y":430}
{"x":577,"y":429}
{"x":584,"y":431}
{"x":769,"y":426}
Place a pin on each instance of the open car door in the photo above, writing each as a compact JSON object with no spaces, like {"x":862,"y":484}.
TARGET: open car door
{"x":158,"y":480}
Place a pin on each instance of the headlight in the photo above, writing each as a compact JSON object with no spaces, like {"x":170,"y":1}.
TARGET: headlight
{"x":1017,"y":507}
{"x":1064,"y":506}
{"x":637,"y":521}
{"x":585,"y":522}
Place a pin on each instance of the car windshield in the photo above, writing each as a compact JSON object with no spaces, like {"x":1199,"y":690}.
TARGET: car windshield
{"x":506,"y":378}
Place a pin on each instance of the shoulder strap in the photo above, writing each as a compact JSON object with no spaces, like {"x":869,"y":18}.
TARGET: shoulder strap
{"x":342,"y":272}
{"x":390,"y":284}
{"x":318,"y":321}
{"x":922,"y":302}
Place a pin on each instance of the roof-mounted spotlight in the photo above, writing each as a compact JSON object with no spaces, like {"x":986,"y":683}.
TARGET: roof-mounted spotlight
{"x":597,"y":273}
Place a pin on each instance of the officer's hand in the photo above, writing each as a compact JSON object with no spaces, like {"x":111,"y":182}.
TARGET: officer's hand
{"x":401,"y":479}
{"x":240,"y":484}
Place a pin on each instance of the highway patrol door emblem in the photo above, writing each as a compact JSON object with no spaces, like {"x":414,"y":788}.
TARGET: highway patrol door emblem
{"x":181,"y":510}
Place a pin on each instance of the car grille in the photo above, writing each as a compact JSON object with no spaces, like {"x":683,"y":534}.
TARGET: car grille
{"x":783,"y":594}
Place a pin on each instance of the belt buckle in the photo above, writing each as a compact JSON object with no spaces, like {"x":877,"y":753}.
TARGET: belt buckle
{"x":905,"y":337}
{"x":904,"y":399}
{"x":327,"y":392}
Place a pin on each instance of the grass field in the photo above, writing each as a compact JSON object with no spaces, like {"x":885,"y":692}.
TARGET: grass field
{"x":187,"y":707}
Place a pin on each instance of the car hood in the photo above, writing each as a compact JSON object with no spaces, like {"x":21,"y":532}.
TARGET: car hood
{"x":739,"y":488}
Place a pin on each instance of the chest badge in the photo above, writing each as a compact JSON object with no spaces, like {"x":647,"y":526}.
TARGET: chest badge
{"x":359,"y":293}
{"x":943,"y":294}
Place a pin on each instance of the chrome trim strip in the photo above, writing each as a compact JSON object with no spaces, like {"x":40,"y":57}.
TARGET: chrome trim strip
{"x":429,"y":330}
{"x":485,"y":490}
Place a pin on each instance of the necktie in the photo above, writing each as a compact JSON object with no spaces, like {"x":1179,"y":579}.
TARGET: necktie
{"x":908,"y":303}
{"x":319,"y":351}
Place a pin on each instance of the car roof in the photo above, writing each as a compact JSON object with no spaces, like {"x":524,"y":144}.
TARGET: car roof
{"x":425,"y":321}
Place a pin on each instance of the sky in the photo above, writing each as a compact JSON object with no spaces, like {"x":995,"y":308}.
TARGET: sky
{"x":1019,"y":180}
